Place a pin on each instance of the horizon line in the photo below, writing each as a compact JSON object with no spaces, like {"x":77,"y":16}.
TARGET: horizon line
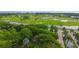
{"x":39,"y":11}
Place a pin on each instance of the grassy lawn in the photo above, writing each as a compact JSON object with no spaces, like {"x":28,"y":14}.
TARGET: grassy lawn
{"x":32,"y":19}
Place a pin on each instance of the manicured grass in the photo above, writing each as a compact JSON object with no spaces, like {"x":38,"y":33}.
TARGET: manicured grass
{"x":38,"y":20}
{"x":51,"y":22}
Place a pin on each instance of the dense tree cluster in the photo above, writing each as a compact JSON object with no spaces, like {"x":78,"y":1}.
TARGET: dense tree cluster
{"x":31,"y":36}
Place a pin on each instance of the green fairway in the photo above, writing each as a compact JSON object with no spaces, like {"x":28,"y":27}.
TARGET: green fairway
{"x":40,"y":19}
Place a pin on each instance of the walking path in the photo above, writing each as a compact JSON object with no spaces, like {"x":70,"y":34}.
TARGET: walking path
{"x":60,"y":37}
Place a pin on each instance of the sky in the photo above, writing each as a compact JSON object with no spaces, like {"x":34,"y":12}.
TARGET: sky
{"x":39,"y":5}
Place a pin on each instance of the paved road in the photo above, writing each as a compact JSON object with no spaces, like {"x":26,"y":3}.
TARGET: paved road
{"x":60,"y":37}
{"x":68,"y":27}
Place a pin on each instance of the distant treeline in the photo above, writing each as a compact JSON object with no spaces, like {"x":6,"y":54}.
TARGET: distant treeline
{"x":54,"y":14}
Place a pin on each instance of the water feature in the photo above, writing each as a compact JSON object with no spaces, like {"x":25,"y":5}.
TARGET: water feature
{"x":69,"y":43}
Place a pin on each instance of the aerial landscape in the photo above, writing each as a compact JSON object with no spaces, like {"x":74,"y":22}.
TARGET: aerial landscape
{"x":39,"y":30}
